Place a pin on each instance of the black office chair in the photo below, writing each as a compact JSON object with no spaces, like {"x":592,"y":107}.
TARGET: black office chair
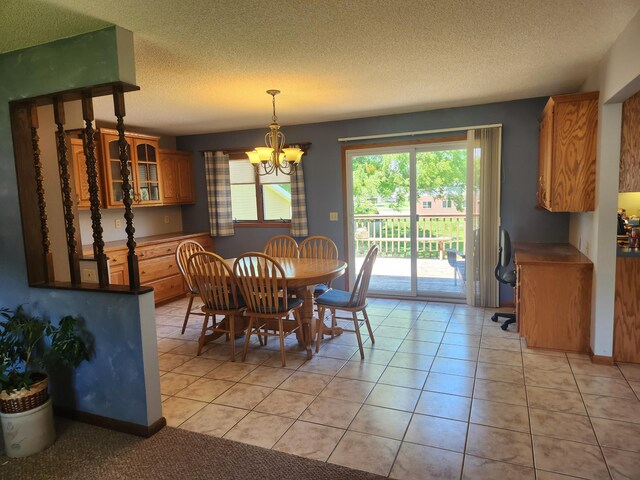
{"x":505,"y":275}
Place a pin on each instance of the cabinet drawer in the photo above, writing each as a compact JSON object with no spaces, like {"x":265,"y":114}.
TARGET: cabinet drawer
{"x":167,"y":288}
{"x":117,"y":258}
{"x":158,"y":250}
{"x":156,"y":268}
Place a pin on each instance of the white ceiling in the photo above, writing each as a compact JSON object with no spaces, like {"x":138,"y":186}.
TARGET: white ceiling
{"x":204,"y":65}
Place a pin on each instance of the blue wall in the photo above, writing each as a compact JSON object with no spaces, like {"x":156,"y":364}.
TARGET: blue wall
{"x":323,"y":171}
{"x":114,"y":384}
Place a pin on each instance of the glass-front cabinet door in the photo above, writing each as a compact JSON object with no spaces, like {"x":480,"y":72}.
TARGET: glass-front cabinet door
{"x":114,"y":173}
{"x":147,"y":166}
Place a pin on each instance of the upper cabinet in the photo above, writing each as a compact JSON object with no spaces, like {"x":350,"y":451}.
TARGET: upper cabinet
{"x":79,"y":173}
{"x":143,"y":168}
{"x":630,"y":145}
{"x":567,"y":154}
{"x":176,"y":173}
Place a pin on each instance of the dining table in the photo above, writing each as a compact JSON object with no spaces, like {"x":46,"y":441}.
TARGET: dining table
{"x":303,"y":274}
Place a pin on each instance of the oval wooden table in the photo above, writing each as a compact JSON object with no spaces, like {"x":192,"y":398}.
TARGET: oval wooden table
{"x":303,"y":274}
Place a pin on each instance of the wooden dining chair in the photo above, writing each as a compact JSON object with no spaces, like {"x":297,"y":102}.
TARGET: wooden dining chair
{"x":321,"y":248}
{"x":217,"y":287}
{"x":282,"y":246}
{"x":263,"y":286}
{"x":183,"y":252}
{"x":354,"y":302}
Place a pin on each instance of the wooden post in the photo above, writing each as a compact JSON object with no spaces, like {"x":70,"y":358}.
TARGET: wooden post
{"x":47,"y":258}
{"x":94,"y":198}
{"x":132,"y":258}
{"x":67,"y":199}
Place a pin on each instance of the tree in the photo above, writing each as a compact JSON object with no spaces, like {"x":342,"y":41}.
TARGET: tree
{"x":443,"y":174}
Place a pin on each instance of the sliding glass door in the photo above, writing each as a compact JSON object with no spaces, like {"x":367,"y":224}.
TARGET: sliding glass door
{"x":411,"y":203}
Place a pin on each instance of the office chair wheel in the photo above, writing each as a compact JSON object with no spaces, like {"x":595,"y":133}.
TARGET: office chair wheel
{"x":504,"y":326}
{"x":494,"y":318}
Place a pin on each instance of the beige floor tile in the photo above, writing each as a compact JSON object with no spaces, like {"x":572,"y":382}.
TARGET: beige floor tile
{"x":205,"y":389}
{"x":444,"y":405}
{"x":500,"y":373}
{"x":504,"y":357}
{"x":171,"y":383}
{"x":231,"y":371}
{"x":498,"y":444}
{"x":500,"y":392}
{"x":259,"y":429}
{"x":304,"y":382}
{"x":375,"y":356}
{"x":464,"y":328}
{"x":453,"y":366}
{"x":391,"y":332}
{"x":418,"y":347}
{"x":542,"y":475}
{"x":549,"y":379}
{"x":607,"y":386}
{"x":176,"y":410}
{"x":613,"y":408}
{"x":367,"y":372}
{"x":635,"y":386}
{"x":348,"y":389}
{"x":500,"y":415}
{"x":556,"y":400}
{"x":331,"y":412}
{"x":419,"y":462}
{"x":403,"y":377}
{"x":623,"y":465}
{"x":452,"y":384}
{"x":425,"y":335}
{"x":215,"y":420}
{"x":437,"y":432}
{"x":323,"y":365}
{"x":169,"y":361}
{"x":164,"y":397}
{"x":198,"y":366}
{"x":365,"y":452}
{"x":498,"y":343}
{"x":587,"y":367}
{"x":242,"y":395}
{"x":169,"y":331}
{"x":618,"y":435}
{"x":541,"y":351}
{"x":546,"y":362}
{"x":631,"y":371}
{"x":293,"y":361}
{"x":459,"y":352}
{"x":187,"y":348}
{"x":309,"y":440}
{"x":267,"y":376}
{"x":434,"y":326}
{"x":384,"y":343}
{"x":569,"y":458}
{"x":285,"y":403}
{"x":461,"y":339}
{"x":476,"y":468}
{"x":399,"y":398}
{"x":562,"y":425}
{"x":167,"y":344}
{"x":222,"y":352}
{"x":383,"y":422}
{"x":258,"y":356}
{"x":342,"y":352}
{"x":411,"y":360}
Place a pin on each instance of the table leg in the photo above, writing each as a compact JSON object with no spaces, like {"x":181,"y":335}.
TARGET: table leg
{"x":308,"y":321}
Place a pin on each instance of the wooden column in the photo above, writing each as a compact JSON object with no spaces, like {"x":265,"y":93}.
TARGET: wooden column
{"x":67,"y":198}
{"x":132,"y":258}
{"x":94,"y":198}
{"x":47,"y":258}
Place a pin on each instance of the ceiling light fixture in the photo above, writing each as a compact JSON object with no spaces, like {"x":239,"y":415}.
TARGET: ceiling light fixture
{"x":275,"y":157}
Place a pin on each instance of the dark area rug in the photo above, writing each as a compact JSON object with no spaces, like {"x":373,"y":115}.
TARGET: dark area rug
{"x":87,"y":452}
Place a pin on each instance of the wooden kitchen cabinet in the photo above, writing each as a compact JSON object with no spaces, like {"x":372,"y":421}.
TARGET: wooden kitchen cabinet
{"x":630,"y":145}
{"x":626,"y":314}
{"x":79,"y":173}
{"x":567,"y":153}
{"x":143,"y":168}
{"x":553,"y":296}
{"x":176,"y":170}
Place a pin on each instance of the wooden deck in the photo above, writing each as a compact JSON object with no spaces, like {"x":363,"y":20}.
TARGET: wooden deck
{"x":393,"y":275}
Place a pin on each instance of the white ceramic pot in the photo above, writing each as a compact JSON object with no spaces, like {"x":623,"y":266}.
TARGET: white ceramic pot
{"x":29,"y":432}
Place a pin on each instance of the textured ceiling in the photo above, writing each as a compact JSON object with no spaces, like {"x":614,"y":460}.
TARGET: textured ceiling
{"x":204,"y":66}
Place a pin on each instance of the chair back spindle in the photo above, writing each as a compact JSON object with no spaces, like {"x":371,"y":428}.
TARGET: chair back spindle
{"x":318,"y":247}
{"x":282,"y":246}
{"x":261,"y":279}
{"x":214,"y":280}
{"x":361,"y":286}
{"x":183,"y":252}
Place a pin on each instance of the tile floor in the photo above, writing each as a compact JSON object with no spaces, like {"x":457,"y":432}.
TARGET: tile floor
{"x":443,"y":394}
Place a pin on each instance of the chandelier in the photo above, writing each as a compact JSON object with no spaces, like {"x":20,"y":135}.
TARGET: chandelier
{"x":274,"y":157}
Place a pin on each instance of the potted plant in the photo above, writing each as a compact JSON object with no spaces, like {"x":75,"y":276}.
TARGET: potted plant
{"x":30,"y":345}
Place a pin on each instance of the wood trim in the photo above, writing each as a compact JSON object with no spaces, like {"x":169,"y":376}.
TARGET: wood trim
{"x":239,"y":153}
{"x":137,"y":429}
{"x":94,"y":287}
{"x":101,"y":90}
{"x":600,"y":359}
{"x":265,"y":224}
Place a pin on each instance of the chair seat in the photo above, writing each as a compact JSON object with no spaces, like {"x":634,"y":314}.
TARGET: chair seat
{"x":292,"y":303}
{"x":320,"y":289}
{"x":335,"y":298}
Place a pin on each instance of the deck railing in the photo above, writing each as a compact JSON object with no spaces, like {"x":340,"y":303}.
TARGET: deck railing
{"x":435,"y":234}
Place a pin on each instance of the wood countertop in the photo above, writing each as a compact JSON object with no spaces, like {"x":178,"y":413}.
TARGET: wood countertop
{"x":541,"y":253}
{"x":87,"y":250}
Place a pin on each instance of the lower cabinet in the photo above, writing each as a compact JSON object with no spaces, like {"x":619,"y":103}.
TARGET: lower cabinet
{"x":627,"y":311}
{"x":157,"y":263}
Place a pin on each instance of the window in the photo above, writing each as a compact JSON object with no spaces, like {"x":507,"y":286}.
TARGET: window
{"x":258,"y":199}
{"x":426,"y":204}
{"x":446,"y":204}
